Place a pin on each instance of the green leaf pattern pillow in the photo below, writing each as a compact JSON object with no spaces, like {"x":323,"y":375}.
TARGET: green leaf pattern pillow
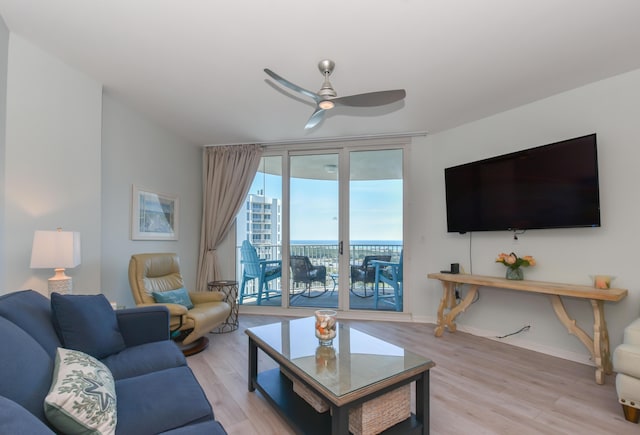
{"x":82,"y":398}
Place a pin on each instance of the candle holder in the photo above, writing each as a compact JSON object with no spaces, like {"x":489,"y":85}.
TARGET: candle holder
{"x":602,"y":281}
{"x":326,"y":326}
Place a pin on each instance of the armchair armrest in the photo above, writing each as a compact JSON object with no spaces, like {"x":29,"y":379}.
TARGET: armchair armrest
{"x":143,"y":324}
{"x":202,"y":297}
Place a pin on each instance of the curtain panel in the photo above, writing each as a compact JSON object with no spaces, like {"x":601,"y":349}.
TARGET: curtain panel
{"x":228,"y":172}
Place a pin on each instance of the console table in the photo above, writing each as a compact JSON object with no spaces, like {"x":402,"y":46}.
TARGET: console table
{"x":598,"y":346}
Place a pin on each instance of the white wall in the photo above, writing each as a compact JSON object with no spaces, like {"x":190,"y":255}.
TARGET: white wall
{"x":4,"y":53}
{"x":51,"y":163}
{"x":609,"y":108}
{"x":136,"y":151}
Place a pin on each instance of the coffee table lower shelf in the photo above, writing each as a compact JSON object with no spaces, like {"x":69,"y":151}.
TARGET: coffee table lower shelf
{"x":278,"y":390}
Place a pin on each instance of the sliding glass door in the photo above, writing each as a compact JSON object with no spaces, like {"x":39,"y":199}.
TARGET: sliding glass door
{"x":314,"y":230}
{"x":375,"y":229}
{"x":339,"y":213}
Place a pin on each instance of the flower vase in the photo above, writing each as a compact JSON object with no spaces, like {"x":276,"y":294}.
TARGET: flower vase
{"x":515,"y":274}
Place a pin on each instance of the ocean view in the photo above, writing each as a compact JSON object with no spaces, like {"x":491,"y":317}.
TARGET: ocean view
{"x":353,"y":242}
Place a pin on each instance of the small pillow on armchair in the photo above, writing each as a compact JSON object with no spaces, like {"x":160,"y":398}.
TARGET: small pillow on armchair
{"x":178,"y":296}
{"x":86,"y":323}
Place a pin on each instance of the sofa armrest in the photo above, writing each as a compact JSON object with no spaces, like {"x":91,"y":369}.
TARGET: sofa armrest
{"x":143,"y":324}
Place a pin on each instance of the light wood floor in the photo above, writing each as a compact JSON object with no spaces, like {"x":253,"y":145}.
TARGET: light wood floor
{"x":478,"y":386}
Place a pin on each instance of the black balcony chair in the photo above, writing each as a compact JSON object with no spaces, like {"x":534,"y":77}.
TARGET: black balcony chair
{"x":303,"y":272}
{"x":366,"y":273}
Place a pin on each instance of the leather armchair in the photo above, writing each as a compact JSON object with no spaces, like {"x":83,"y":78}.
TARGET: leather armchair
{"x":160,"y":272}
{"x":626,"y":362}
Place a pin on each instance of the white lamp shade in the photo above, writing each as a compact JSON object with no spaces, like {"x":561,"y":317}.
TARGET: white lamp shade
{"x":55,"y":250}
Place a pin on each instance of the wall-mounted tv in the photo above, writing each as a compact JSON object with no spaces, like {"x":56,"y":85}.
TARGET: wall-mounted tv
{"x":550,"y":186}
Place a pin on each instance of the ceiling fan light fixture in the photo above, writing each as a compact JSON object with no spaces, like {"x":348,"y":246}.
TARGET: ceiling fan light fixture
{"x":326,"y":104}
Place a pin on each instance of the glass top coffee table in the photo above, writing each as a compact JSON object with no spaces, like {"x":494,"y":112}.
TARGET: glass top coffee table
{"x":356,"y":369}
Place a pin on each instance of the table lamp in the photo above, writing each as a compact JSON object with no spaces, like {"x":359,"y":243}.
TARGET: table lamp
{"x":56,"y":250}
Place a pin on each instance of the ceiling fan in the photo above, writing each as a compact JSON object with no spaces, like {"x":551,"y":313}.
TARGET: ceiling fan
{"x":327,"y":98}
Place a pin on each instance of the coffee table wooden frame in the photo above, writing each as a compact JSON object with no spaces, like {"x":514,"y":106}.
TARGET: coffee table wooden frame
{"x":278,"y":390}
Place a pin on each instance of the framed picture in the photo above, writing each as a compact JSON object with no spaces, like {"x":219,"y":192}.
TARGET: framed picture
{"x":154,"y":216}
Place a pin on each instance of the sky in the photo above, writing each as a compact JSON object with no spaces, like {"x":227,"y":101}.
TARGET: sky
{"x":375,"y":207}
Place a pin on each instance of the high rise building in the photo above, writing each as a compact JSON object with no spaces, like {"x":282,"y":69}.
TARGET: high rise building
{"x":260,"y":221}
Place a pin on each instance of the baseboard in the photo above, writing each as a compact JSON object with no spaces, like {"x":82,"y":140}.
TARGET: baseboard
{"x":516,"y":341}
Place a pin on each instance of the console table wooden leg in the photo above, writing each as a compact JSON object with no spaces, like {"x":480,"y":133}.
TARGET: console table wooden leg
{"x":455,"y":308}
{"x":601,"y":342}
{"x":447,"y":289}
{"x":598,"y":346}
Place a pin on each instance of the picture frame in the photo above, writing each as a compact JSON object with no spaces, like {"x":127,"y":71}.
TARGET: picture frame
{"x":154,"y":216}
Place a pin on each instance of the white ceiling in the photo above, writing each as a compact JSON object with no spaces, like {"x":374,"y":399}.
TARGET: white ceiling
{"x":196,"y":66}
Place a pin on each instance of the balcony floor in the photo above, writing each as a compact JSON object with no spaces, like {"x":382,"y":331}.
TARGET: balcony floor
{"x":328,"y":299}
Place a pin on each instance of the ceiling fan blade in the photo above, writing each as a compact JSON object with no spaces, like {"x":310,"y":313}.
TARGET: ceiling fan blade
{"x":371,"y":99}
{"x":288,"y":84}
{"x":316,"y":117}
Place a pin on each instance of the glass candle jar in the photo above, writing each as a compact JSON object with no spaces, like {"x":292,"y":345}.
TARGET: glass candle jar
{"x":326,"y":326}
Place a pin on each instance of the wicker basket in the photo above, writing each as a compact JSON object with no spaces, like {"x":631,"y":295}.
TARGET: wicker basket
{"x":371,"y":417}
{"x":379,"y":414}
{"x":309,"y":396}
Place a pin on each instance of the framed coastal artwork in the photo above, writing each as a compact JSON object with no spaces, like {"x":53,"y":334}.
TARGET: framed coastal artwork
{"x":154,"y":216}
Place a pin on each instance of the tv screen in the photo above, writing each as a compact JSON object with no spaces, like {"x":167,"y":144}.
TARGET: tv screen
{"x":550,"y":186}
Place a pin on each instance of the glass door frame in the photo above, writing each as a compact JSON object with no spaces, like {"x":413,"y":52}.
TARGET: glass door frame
{"x":343,"y":149}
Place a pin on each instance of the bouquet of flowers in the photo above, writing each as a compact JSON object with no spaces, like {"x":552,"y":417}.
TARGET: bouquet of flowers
{"x":512,"y":261}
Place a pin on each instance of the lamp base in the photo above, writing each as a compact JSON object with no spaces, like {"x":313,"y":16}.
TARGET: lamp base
{"x":60,"y":283}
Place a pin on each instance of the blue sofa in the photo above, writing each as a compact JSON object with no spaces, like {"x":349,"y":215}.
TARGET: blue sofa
{"x":156,"y":391}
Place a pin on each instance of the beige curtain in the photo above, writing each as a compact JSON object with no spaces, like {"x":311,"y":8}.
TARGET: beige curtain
{"x":228,"y":172}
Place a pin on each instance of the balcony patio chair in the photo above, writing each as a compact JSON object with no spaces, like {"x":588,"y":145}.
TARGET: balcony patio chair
{"x":302,"y":271}
{"x":366,"y":273}
{"x":391,"y":274}
{"x":255,"y":268}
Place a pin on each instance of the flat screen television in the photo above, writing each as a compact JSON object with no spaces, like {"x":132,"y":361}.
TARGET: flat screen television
{"x":550,"y":186}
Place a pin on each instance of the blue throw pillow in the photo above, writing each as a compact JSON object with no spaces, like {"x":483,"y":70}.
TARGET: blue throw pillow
{"x":86,"y":323}
{"x":179,"y":296}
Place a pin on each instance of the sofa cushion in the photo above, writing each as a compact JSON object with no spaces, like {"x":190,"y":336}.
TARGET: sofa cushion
{"x":145,"y":358}
{"x":25,"y":369}
{"x":178,"y":296}
{"x":14,"y":419}
{"x":31,"y":311}
{"x":86,"y":323}
{"x":161,"y":401}
{"x":82,"y":398}
{"x":206,"y":427}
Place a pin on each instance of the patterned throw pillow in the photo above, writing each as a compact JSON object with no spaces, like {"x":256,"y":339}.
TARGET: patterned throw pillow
{"x":82,"y":398}
{"x":179,"y":296}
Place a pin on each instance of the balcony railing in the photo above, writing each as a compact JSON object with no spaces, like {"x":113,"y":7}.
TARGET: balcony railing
{"x":319,"y":254}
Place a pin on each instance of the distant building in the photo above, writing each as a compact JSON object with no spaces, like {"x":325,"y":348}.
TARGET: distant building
{"x":260,"y":221}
